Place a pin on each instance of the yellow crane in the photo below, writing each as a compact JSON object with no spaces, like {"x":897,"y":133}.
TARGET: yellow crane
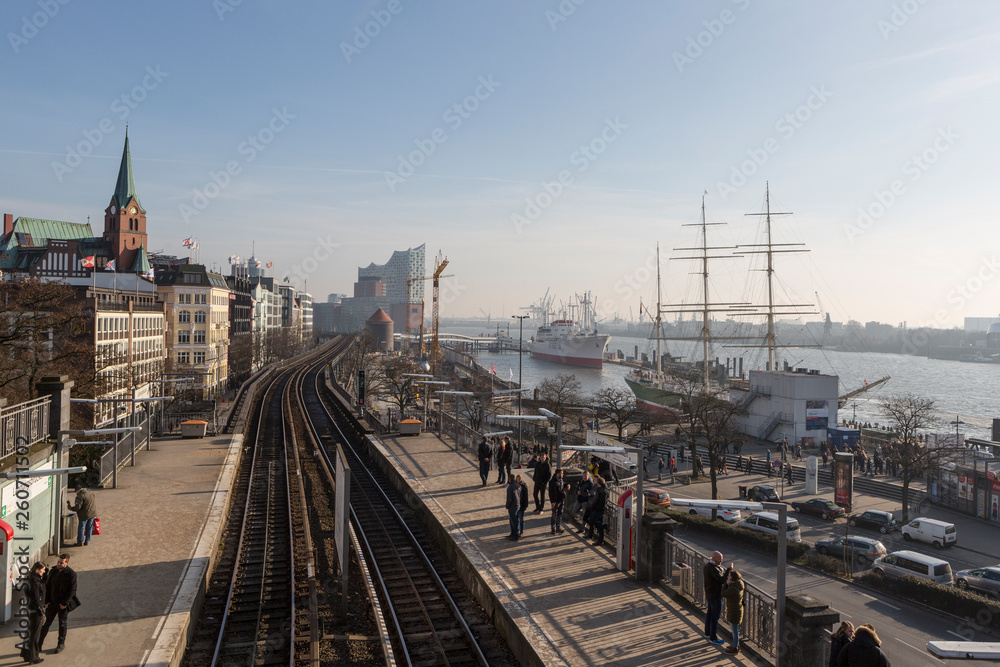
{"x":440,"y":263}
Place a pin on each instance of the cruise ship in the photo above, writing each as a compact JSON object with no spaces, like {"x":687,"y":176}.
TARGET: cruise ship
{"x":565,"y":341}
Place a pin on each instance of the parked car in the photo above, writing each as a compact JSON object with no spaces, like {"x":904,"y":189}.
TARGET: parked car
{"x":824,"y":509}
{"x":898,"y":563}
{"x":726,"y":515}
{"x":767,"y":522}
{"x":982,"y":579}
{"x":862,"y":549}
{"x":878,"y":520}
{"x":931,"y":531}
{"x":657,"y":497}
{"x":763,"y":493}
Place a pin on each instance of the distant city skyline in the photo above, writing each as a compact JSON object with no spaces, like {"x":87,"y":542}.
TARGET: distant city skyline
{"x":537,"y":145}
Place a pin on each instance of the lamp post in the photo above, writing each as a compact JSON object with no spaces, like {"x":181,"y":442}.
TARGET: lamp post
{"x":559,"y":422}
{"x":520,"y":348}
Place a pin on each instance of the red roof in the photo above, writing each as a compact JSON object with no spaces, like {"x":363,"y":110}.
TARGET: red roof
{"x":379,"y":316}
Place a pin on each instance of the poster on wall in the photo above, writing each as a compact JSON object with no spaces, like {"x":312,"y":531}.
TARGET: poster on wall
{"x":961,"y":488}
{"x":817,"y":415}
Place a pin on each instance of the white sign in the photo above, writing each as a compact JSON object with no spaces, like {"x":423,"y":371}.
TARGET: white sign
{"x":621,"y":460}
{"x":35,"y":485}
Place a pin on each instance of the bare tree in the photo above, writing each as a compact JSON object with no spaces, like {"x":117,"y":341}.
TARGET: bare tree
{"x":911,"y":414}
{"x":558,"y":392}
{"x":618,"y":406}
{"x":712,"y":419}
{"x":394,"y":385}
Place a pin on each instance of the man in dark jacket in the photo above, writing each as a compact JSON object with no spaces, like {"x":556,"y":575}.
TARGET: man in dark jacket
{"x":35,"y":599}
{"x":584,"y":490}
{"x":60,"y":597}
{"x":513,"y":504}
{"x":484,"y":455}
{"x":523,"y":505}
{"x":504,"y":457}
{"x":715,"y":577}
{"x":864,"y":650}
{"x":557,"y":495}
{"x":86,"y":512}
{"x":543,"y":473}
{"x":600,"y":504}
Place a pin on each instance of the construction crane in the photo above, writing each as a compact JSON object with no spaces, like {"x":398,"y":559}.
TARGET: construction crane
{"x":410,"y":281}
{"x":439,"y":263}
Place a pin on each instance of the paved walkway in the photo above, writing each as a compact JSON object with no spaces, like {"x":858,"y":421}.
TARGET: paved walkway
{"x":568,"y":597}
{"x":139,"y":579}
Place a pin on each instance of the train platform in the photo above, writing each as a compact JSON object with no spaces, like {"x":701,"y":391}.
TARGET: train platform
{"x":139,"y":581}
{"x":567,"y":598}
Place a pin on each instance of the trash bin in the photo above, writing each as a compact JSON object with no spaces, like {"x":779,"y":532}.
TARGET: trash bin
{"x":69,"y":524}
{"x":743,"y":490}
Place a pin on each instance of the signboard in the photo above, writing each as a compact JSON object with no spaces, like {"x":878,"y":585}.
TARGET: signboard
{"x":843,"y":479}
{"x":961,"y":488}
{"x":817,"y":415}
{"x":624,"y":461}
{"x":35,"y":486}
{"x":812,"y":476}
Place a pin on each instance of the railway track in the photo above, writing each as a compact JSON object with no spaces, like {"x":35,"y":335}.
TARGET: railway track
{"x":434,"y":619}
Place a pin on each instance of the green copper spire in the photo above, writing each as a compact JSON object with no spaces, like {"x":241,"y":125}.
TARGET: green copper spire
{"x":125,"y":189}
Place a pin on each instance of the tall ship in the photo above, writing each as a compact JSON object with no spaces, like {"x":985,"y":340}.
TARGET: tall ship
{"x":565,"y":341}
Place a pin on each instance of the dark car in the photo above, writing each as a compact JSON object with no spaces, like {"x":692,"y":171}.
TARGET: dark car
{"x":763,"y":493}
{"x":824,"y":509}
{"x":982,"y":579}
{"x":878,"y":520}
{"x":861,"y":549}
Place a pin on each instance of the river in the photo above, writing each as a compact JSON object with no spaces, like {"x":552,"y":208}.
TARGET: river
{"x":966,"y":391}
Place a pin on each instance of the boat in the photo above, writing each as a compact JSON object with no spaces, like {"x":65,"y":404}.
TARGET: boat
{"x":565,"y":341}
{"x":977,"y":358}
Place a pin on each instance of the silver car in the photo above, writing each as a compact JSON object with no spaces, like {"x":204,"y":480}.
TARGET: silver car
{"x":862,"y":549}
{"x":983,"y":579}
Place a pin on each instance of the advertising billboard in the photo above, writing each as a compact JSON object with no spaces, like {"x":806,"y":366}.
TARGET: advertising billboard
{"x":843,"y":479}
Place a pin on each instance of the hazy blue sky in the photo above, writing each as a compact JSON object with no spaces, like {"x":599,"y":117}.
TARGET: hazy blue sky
{"x":452,"y":124}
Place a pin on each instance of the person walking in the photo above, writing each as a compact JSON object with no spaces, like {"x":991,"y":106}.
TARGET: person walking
{"x":86,"y":512}
{"x":749,"y":468}
{"x":557,"y":496}
{"x":863,"y":651}
{"x":60,"y":599}
{"x":513,"y":504}
{"x":504,"y":456}
{"x":542,"y":475}
{"x":35,"y":602}
{"x":522,"y":506}
{"x":484,"y":454}
{"x":838,"y":640}
{"x":584,"y":490}
{"x":597,"y":511}
{"x":659,"y":467}
{"x":826,"y":457}
{"x":715,"y":577}
{"x":732,"y":591}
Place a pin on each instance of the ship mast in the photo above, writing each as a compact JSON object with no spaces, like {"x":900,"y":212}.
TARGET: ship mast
{"x":659,"y":320}
{"x":706,"y":330}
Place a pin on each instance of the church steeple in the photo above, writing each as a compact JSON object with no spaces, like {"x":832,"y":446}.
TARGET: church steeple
{"x":125,"y":189}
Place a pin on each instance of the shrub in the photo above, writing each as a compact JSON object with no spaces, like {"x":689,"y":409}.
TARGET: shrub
{"x":982,"y":610}
{"x":828,"y":564}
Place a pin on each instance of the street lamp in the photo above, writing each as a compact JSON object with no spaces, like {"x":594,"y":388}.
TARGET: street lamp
{"x":520,"y":349}
{"x":559,"y":422}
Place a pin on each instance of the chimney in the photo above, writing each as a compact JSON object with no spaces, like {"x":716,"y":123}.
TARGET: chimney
{"x":8,"y":223}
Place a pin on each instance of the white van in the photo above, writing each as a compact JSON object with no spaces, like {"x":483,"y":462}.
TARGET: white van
{"x":899,"y":563}
{"x":767,"y":522}
{"x":931,"y":531}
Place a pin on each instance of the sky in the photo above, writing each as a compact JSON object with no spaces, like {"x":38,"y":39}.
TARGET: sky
{"x":540,"y":145}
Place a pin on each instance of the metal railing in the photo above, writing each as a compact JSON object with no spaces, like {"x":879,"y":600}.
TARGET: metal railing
{"x":127,"y":448}
{"x":684,"y":574}
{"x":28,"y":420}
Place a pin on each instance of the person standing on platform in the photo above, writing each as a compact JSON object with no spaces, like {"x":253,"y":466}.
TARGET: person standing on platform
{"x":732,"y":591}
{"x":597,"y":511}
{"x":542,"y":475}
{"x":512,"y":505}
{"x":838,"y":640}
{"x":557,"y":496}
{"x":749,"y":468}
{"x":36,"y":612}
{"x":503,"y":462}
{"x":659,"y":466}
{"x":715,"y":577}
{"x":584,"y":490}
{"x":522,"y":506}
{"x":863,"y":650}
{"x":484,"y":455}
{"x":86,"y":512}
{"x":60,"y":598}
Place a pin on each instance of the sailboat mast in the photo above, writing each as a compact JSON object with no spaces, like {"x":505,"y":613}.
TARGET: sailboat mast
{"x":705,"y":332}
{"x":771,"y":339}
{"x":659,"y":308}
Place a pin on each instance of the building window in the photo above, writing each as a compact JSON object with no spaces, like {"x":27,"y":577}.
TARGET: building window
{"x":184,"y":316}
{"x":183,"y":336}
{"x":183,"y":357}
{"x":199,"y":336}
{"x":199,"y":317}
{"x":199,"y":357}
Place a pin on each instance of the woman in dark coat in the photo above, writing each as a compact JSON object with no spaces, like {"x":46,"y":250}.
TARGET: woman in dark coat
{"x":863,"y":651}
{"x":839,"y":639}
{"x":35,"y":596}
{"x":732,"y":593}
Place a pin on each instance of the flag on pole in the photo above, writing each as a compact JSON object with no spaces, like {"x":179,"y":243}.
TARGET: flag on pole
{"x":87,"y":262}
{"x":493,"y":370}
{"x":270,"y":265}
{"x":110,"y":265}
{"x":509,"y":368}
{"x":150,"y":274}
{"x":188,"y":242}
